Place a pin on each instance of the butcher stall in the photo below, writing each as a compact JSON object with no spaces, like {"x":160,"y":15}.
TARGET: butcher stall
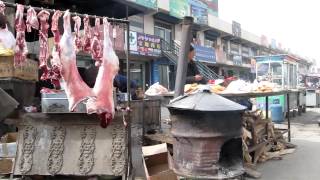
{"x":75,"y":127}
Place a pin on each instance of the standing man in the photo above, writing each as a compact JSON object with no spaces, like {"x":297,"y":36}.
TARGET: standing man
{"x":193,"y":74}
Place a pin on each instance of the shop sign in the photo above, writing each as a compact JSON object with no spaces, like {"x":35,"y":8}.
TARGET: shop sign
{"x":148,"y":3}
{"x":212,"y":6}
{"x":237,"y":60}
{"x":179,"y":8}
{"x":144,"y":44}
{"x":199,"y":11}
{"x":205,"y":54}
{"x":236,"y":29}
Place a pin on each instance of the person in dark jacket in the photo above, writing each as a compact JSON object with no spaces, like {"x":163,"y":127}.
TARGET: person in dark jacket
{"x":193,"y":74}
{"x":120,"y":82}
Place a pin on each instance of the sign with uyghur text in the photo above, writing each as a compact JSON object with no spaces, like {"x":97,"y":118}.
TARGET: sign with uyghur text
{"x":199,"y":11}
{"x":205,"y":54}
{"x":144,"y":44}
{"x":148,"y":3}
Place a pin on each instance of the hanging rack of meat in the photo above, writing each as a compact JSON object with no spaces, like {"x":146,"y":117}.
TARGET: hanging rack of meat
{"x":32,"y":20}
{"x":99,"y":99}
{"x":21,"y":49}
{"x":103,"y":104}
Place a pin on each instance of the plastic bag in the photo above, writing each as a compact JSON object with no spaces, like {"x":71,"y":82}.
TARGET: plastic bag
{"x":156,"y":89}
{"x":7,"y":43}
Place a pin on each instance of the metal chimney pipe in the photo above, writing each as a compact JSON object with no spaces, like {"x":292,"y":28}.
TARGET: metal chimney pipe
{"x":182,"y":63}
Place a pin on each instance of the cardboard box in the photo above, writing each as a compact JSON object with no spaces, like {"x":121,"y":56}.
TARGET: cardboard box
{"x":28,"y":71}
{"x":6,"y":165}
{"x":156,"y":163}
{"x":9,"y":137}
{"x":7,"y":143}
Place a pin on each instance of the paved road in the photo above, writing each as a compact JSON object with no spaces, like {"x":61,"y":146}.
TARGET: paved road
{"x":304,"y":164}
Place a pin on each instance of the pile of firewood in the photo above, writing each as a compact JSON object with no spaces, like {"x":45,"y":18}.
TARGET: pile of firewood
{"x":261,"y":140}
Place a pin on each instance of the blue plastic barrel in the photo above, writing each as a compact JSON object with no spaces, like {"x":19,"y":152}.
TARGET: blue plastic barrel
{"x":276,"y":113}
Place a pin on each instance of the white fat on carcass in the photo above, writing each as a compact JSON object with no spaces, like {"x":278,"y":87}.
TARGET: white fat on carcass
{"x":76,"y":89}
{"x":103,"y":104}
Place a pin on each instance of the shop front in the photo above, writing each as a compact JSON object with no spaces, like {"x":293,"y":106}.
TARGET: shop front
{"x":143,"y":49}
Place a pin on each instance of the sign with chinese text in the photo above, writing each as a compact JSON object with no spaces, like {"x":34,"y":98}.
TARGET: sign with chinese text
{"x":199,"y":11}
{"x":205,"y":54}
{"x":144,"y":44}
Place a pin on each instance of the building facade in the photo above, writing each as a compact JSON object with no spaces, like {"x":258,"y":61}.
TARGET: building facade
{"x":225,"y":48}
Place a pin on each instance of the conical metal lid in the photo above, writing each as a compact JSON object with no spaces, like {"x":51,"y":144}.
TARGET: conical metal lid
{"x":205,"y":101}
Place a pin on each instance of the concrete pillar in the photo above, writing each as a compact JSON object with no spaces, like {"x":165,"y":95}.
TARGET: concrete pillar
{"x":177,"y":32}
{"x":183,"y":56}
{"x":201,"y":37}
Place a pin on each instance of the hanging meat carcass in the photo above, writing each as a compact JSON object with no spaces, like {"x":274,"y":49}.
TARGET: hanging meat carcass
{"x":32,"y":20}
{"x":96,"y":44}
{"x":87,"y":37}
{"x":77,"y":40}
{"x":55,"y":28}
{"x":103,"y":104}
{"x":21,"y":49}
{"x":76,"y":89}
{"x":43,"y":41}
{"x":55,"y":69}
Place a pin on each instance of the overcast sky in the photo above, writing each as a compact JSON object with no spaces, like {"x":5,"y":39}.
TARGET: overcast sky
{"x":294,"y":23}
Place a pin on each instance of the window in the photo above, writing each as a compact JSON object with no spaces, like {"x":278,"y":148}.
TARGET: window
{"x":164,"y":31}
{"x":209,"y":43}
{"x":234,"y":48}
{"x":136,"y":23}
{"x":245,"y":51}
{"x":225,"y":46}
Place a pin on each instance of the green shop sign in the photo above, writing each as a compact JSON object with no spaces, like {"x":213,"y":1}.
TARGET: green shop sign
{"x":147,"y":3}
{"x":179,"y":8}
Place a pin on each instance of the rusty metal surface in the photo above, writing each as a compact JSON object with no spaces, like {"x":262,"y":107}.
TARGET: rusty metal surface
{"x":70,"y":144}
